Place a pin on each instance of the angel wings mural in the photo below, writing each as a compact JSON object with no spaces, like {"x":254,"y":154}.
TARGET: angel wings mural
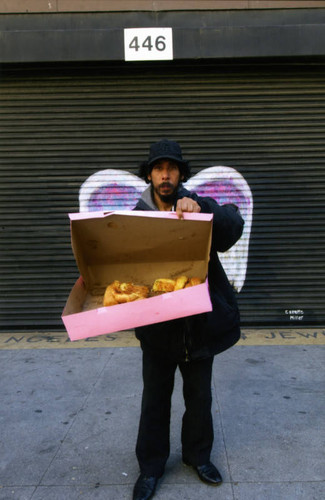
{"x":113,"y":189}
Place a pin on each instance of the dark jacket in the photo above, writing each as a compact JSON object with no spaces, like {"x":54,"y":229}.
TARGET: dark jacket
{"x":201,"y":335}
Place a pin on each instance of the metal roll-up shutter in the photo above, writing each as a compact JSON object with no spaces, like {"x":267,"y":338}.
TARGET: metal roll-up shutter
{"x":62,"y":123}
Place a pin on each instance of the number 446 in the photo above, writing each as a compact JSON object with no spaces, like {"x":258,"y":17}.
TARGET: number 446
{"x":159,"y":43}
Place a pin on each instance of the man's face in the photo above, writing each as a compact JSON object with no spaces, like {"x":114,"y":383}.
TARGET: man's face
{"x":165,"y":178}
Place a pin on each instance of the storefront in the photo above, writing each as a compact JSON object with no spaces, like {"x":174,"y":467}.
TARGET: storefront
{"x":241,"y":91}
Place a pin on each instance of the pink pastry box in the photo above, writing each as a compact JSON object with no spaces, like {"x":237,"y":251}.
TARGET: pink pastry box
{"x":136,"y":247}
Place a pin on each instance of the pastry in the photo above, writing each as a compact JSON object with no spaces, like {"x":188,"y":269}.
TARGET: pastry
{"x":120,"y":293}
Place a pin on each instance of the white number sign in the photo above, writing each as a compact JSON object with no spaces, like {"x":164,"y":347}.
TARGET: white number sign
{"x":148,"y":44}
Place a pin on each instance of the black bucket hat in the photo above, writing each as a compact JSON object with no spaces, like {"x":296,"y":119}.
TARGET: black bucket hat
{"x":170,"y":150}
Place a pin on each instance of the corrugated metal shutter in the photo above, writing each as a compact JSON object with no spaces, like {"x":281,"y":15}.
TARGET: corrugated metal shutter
{"x":60,"y":124}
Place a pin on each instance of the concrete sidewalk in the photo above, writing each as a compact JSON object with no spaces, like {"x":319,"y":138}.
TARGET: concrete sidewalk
{"x":69,"y":418}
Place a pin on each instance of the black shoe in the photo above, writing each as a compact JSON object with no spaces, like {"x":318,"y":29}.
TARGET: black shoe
{"x":145,"y":487}
{"x":208,"y":473}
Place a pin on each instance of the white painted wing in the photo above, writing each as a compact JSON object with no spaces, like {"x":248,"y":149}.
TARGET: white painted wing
{"x":226,"y":185}
{"x":110,"y":189}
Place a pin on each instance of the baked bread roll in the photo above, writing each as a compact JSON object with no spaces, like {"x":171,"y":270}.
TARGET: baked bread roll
{"x":109,"y":299}
{"x":193,"y":282}
{"x":163,"y":285}
{"x":120,"y":293}
{"x":180,"y":282}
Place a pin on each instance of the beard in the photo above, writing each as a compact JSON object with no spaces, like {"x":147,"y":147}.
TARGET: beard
{"x":170,"y":197}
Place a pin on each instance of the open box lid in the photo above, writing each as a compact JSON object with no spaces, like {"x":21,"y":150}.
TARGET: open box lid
{"x":130,"y":245}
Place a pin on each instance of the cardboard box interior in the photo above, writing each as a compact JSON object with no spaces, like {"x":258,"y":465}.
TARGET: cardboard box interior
{"x":134,"y":248}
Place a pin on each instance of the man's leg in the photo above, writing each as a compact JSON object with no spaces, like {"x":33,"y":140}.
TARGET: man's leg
{"x":153,"y":444}
{"x":197,"y":429}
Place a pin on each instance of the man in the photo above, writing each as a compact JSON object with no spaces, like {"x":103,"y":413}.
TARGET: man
{"x":188,"y":343}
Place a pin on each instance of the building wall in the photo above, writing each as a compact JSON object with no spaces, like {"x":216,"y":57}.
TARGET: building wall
{"x":33,"y":6}
{"x":262,"y":122}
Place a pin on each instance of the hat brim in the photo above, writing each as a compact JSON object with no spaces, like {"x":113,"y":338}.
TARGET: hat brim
{"x":167,"y":157}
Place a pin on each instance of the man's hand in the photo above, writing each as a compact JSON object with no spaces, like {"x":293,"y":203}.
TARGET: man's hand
{"x":186,"y":205}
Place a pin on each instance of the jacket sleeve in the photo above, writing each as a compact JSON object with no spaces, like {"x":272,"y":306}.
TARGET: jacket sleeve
{"x":227,"y":222}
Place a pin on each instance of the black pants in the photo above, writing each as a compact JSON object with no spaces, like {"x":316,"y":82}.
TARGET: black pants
{"x":153,"y":444}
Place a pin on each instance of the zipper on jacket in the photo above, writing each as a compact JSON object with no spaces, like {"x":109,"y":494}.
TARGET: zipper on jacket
{"x":187,"y":356}
{"x":186,"y":330}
